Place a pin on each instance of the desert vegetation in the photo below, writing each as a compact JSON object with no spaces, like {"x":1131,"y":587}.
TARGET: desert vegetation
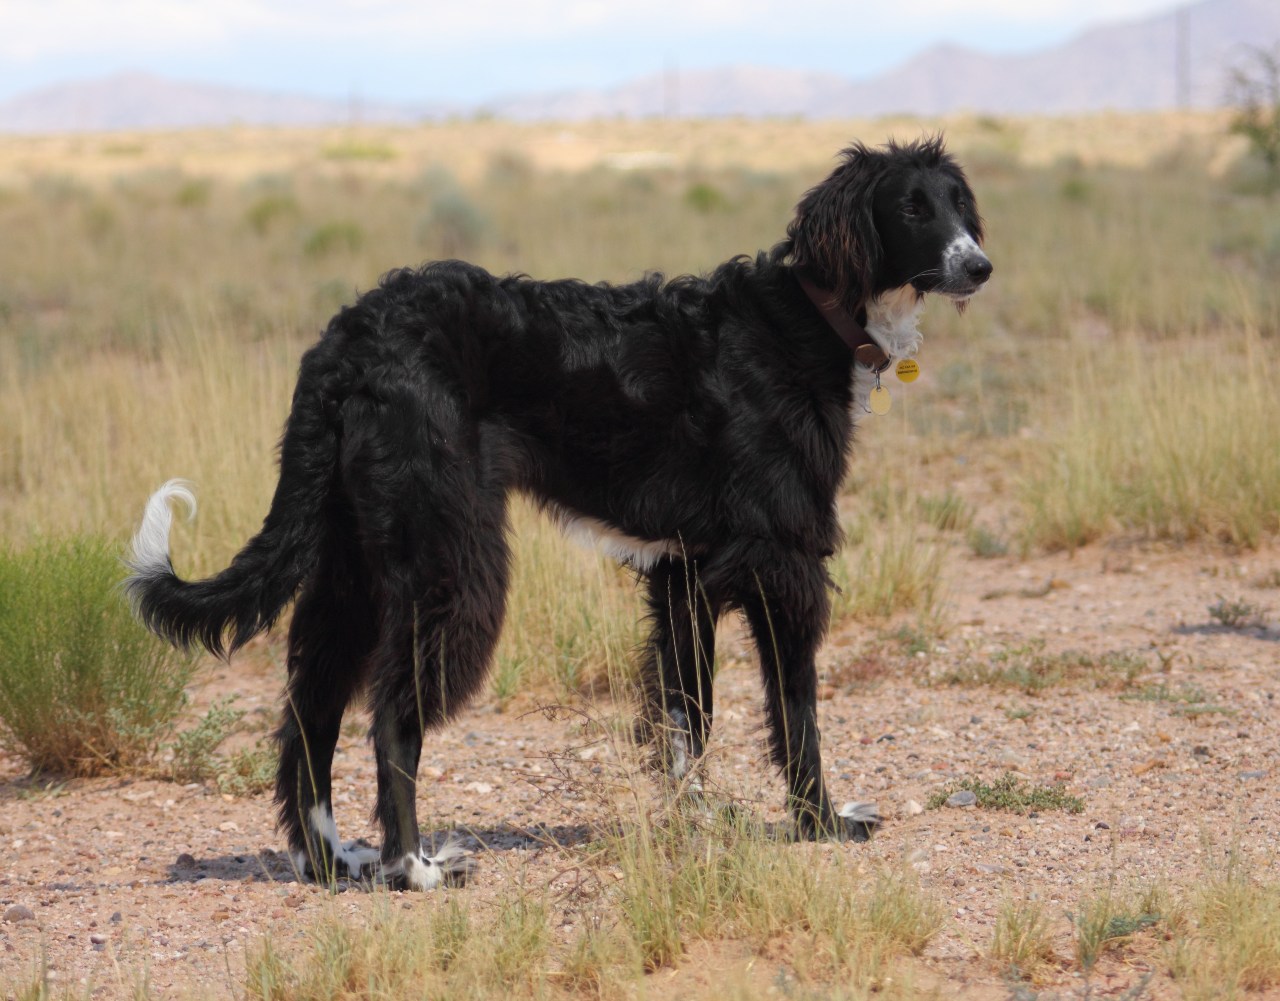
{"x":1113,"y":389}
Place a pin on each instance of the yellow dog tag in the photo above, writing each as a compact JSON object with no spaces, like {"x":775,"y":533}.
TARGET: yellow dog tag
{"x":907,"y":370}
{"x":878,"y":401}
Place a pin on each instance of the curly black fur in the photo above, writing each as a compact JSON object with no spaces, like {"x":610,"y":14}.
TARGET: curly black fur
{"x":703,"y":421}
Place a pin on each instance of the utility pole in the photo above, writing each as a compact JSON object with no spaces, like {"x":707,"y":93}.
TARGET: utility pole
{"x":1182,"y":57}
{"x":670,"y":88}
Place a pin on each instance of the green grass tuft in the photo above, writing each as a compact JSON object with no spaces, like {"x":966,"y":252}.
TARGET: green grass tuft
{"x":1010,"y":793}
{"x":84,"y":689}
{"x":1107,"y":921}
{"x":1029,"y":669}
{"x":1235,"y":613}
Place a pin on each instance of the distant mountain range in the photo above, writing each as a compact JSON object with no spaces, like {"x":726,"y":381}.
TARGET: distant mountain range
{"x":1179,"y":57}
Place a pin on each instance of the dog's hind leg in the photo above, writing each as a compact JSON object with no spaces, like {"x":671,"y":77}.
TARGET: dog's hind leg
{"x":679,"y":666}
{"x":433,"y":657}
{"x":331,"y":634}
{"x":787,"y":608}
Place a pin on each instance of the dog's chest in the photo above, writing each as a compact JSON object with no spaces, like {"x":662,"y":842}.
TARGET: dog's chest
{"x":593,"y":533}
{"x":892,"y":319}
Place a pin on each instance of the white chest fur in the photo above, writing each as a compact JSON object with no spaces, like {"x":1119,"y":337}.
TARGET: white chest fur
{"x":891,"y":322}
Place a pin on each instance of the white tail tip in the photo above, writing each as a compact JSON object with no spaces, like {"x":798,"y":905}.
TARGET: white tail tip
{"x":151,"y":543}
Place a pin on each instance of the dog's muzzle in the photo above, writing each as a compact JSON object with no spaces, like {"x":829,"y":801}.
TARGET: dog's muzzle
{"x":977,"y":267}
{"x":966,"y":270}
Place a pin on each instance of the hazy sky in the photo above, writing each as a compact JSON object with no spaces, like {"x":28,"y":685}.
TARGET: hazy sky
{"x":464,"y":51}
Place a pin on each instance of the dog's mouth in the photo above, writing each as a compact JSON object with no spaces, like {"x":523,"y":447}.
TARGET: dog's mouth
{"x":955,"y":290}
{"x":959,"y":295}
{"x":956,"y":287}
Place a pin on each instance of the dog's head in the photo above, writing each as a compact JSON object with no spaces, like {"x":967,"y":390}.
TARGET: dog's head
{"x":887,"y":218}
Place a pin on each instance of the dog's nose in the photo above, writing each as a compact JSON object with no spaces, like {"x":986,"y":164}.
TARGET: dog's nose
{"x":977,"y":267}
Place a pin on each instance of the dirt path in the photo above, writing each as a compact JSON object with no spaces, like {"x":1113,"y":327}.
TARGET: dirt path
{"x":113,"y":881}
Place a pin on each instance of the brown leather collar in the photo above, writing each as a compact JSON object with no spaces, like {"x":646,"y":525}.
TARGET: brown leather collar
{"x":865,"y":350}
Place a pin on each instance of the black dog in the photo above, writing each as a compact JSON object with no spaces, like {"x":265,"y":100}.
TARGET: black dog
{"x":700,"y":426}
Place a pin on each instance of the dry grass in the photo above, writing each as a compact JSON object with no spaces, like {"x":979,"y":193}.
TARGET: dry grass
{"x":154,"y":308}
{"x":1228,"y":946}
{"x":1156,"y":440}
{"x":1022,"y":944}
{"x":681,"y":884}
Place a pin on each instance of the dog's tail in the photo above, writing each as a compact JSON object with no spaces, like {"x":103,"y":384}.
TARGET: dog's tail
{"x":223,"y":612}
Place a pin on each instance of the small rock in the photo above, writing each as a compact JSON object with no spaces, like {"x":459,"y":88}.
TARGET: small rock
{"x":479,"y":788}
{"x":1102,"y":825}
{"x":185,"y":861}
{"x":116,"y":917}
{"x":912,"y":808}
{"x":227,"y":826}
{"x":19,"y":912}
{"x":1253,"y":775}
{"x":963,"y":798}
{"x":97,"y":938}
{"x":994,"y":868}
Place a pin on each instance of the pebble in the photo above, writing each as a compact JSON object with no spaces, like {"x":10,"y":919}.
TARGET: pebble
{"x":1253,"y":775}
{"x":963,"y":798}
{"x":97,"y":938}
{"x":19,"y":912}
{"x":912,"y":808}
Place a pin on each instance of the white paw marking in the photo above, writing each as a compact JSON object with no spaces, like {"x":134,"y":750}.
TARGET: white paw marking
{"x":426,"y":872}
{"x":354,"y":857}
{"x":862,"y":813}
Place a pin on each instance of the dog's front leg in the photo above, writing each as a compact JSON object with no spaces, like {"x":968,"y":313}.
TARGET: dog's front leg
{"x":679,"y":667}
{"x":788,"y":612}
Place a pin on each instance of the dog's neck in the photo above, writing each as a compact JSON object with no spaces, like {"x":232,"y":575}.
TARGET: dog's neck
{"x":863,"y":346}
{"x":890,"y":331}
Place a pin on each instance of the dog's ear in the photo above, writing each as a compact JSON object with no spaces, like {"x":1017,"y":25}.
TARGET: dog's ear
{"x":833,"y":235}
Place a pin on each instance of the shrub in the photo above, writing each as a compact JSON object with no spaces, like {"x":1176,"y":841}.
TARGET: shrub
{"x":266,"y":211}
{"x":454,"y":224}
{"x":704,"y":197}
{"x":1254,"y":89}
{"x":332,"y":236}
{"x":83,"y":688}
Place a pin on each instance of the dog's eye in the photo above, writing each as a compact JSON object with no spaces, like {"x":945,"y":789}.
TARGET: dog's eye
{"x":962,"y":205}
{"x":910,"y":209}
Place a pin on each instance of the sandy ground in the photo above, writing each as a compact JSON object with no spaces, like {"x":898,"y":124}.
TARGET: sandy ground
{"x":114,"y":880}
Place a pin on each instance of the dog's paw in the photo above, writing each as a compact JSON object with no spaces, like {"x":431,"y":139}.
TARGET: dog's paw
{"x":859,"y":820}
{"x":353,"y":861}
{"x":452,"y":865}
{"x":855,"y":822}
